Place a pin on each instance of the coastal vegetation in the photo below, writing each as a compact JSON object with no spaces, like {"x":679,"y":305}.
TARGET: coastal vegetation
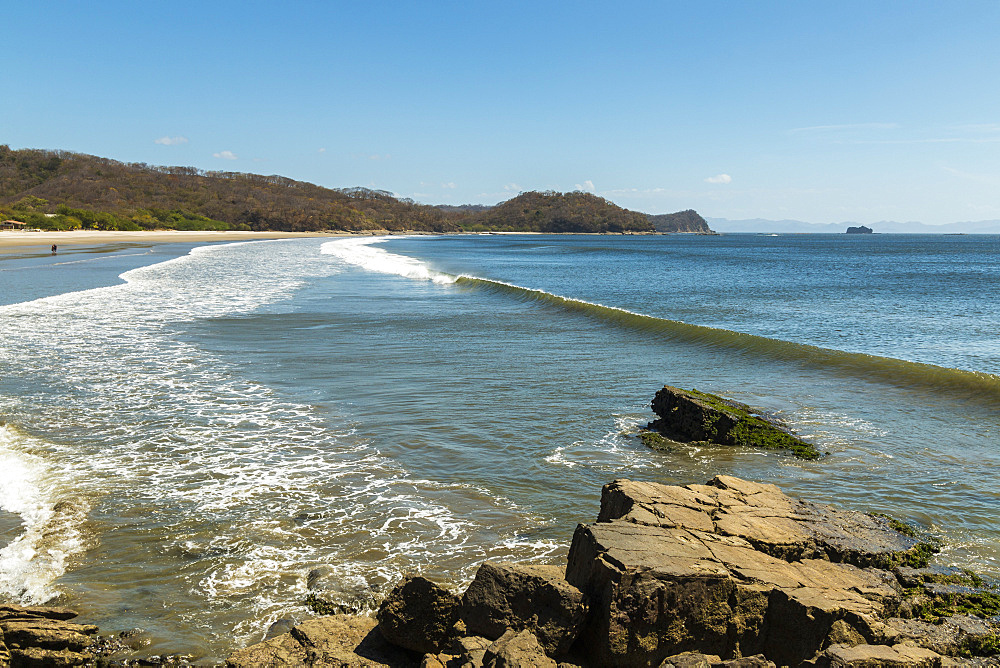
{"x":60,"y":190}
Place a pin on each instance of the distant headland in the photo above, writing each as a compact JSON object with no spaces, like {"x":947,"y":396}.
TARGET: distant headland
{"x":60,"y":190}
{"x":861,"y":229}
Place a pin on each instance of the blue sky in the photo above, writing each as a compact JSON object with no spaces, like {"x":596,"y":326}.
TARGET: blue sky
{"x":825,"y":112}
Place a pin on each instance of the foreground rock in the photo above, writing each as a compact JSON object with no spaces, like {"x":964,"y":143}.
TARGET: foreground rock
{"x":727,"y":574}
{"x":698,"y":417}
{"x":345,"y":641}
{"x":517,"y":597}
{"x":43,"y":636}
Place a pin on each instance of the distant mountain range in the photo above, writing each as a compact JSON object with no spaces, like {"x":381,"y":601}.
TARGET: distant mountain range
{"x":762,"y":225}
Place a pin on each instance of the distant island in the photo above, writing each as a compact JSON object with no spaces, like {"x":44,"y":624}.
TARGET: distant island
{"x":60,"y":190}
{"x":861,"y":229}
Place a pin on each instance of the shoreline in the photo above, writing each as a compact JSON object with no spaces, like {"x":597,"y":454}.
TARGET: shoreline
{"x":11,"y":240}
{"x":17,"y":240}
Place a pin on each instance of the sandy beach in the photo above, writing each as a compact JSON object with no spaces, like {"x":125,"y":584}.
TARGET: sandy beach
{"x":16,"y":240}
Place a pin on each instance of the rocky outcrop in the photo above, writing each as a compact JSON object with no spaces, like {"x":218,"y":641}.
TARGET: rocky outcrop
{"x":727,"y":574}
{"x":690,"y":416}
{"x":860,"y":229}
{"x":43,"y":636}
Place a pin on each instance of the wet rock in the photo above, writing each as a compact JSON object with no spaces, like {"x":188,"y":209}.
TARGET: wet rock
{"x":338,"y":640}
{"x":318,"y":577}
{"x":699,"y":417}
{"x":517,"y":650}
{"x":418,"y":615}
{"x":333,"y":595}
{"x":520,"y":596}
{"x":961,"y":634}
{"x":277,"y":628}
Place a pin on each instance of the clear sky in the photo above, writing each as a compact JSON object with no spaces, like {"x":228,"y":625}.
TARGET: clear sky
{"x":820,"y":111}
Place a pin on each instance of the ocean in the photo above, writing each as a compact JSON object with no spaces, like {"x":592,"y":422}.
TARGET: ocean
{"x":189,"y":432}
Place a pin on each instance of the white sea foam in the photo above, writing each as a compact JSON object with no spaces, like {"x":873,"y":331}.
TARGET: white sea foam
{"x":361,"y":252}
{"x":230,"y":487}
{"x":49,"y":532}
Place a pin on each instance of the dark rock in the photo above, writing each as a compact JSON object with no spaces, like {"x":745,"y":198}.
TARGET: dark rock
{"x":517,"y":650}
{"x":318,"y":577}
{"x":860,"y":229}
{"x":520,"y":596}
{"x":699,"y":417}
{"x":418,"y":615}
{"x":946,"y":589}
{"x":916,"y":577}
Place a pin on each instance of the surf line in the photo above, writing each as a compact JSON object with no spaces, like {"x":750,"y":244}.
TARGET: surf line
{"x":973,"y":386}
{"x":977,"y":386}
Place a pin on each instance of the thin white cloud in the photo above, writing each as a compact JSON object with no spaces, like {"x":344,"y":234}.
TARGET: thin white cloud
{"x":977,"y":127}
{"x":719,"y":178}
{"x":847,"y":126}
{"x":932,"y":140}
{"x":225,"y":155}
{"x":322,"y":150}
{"x":171,"y":141}
{"x":512,"y":187}
{"x":449,"y":186}
{"x":588,"y":185}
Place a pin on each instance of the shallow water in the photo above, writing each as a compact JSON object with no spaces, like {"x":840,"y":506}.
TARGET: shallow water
{"x":183,"y":447}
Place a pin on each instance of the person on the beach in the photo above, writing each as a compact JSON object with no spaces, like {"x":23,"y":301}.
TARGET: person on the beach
{"x":53,"y":249}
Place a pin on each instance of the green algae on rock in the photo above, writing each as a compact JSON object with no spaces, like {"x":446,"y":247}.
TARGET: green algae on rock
{"x":690,"y":416}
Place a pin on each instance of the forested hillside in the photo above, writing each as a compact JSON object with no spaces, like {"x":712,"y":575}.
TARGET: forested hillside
{"x":63,"y":190}
{"x":561,"y":212}
{"x":682,"y":221}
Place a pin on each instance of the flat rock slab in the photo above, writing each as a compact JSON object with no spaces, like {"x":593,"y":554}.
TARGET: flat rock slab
{"x":761,"y":514}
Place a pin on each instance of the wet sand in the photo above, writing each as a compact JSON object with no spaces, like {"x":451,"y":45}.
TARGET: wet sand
{"x":18,"y":241}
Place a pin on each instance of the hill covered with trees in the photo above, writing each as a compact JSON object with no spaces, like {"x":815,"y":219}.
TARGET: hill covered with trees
{"x":682,"y":221}
{"x":63,"y":190}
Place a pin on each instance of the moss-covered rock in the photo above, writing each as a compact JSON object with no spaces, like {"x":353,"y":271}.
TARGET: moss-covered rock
{"x":690,"y":416}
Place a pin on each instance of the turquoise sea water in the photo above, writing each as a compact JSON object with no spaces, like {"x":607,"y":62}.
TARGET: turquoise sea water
{"x":182,"y":445}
